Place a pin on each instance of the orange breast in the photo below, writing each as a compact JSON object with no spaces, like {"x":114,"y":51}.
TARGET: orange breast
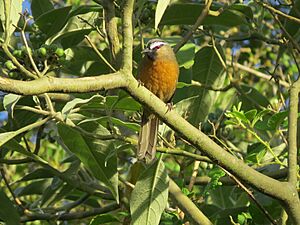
{"x":160,"y":77}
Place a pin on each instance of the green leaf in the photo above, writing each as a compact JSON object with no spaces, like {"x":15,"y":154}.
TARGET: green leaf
{"x":293,"y":27}
{"x":9,"y":102}
{"x":259,"y":116}
{"x":61,"y":193}
{"x":83,"y":60}
{"x":74,"y":31}
{"x":34,"y":188}
{"x":132,"y":126}
{"x":5,"y":137}
{"x":207,"y":70}
{"x":252,"y":98}
{"x":150,"y":195}
{"x":56,"y":16}
{"x":12,"y":8}
{"x":39,"y":173}
{"x":103,"y":219}
{"x":92,"y":153}
{"x":39,"y":7}
{"x":78,"y":101}
{"x":188,"y":14}
{"x":276,"y":120}
{"x":160,"y":10}
{"x":83,"y":9}
{"x":185,"y":55}
{"x":8,"y":213}
{"x":251,"y":114}
{"x":240,"y":115}
{"x":256,"y":153}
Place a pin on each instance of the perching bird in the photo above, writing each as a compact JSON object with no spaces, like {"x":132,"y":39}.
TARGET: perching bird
{"x":158,"y":72}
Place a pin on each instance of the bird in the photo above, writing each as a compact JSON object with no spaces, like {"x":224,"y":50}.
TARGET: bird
{"x":158,"y":72}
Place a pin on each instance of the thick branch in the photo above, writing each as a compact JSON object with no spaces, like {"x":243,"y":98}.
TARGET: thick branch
{"x":127,"y":36}
{"x":292,"y":138}
{"x":111,"y":29}
{"x":216,"y":153}
{"x":53,"y":84}
{"x":187,"y":206}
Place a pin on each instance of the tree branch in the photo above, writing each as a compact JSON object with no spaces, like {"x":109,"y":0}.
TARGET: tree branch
{"x":189,"y":34}
{"x":278,"y":12}
{"x":111,"y":29}
{"x":292,"y":135}
{"x":216,"y":153}
{"x":69,"y":216}
{"x":53,"y":84}
{"x":257,"y":73}
{"x":187,"y":206}
{"x":127,"y":36}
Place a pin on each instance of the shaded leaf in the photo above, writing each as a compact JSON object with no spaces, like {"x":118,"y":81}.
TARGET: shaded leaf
{"x":103,"y":219}
{"x":34,"y":188}
{"x":276,"y":120}
{"x":188,"y":14}
{"x":8,"y":213}
{"x":5,"y":137}
{"x":78,"y":101}
{"x":150,"y":195}
{"x":39,"y":7}
{"x":207,"y":70}
{"x":56,"y":16}
{"x":292,"y":27}
{"x":252,"y":98}
{"x":75,"y":29}
{"x":92,"y":153}
{"x":251,"y":114}
{"x":256,"y":153}
{"x":39,"y":173}
{"x":83,"y":60}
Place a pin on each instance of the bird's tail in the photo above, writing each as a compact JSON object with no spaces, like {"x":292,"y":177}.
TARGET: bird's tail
{"x":147,"y":137}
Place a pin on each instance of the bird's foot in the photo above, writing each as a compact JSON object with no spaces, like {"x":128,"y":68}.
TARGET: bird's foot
{"x":170,"y":106}
{"x":140,"y":83}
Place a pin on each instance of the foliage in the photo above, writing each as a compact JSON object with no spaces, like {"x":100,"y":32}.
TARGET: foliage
{"x":71,"y":157}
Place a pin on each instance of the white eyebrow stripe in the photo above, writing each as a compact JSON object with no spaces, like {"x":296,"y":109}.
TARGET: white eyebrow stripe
{"x":156,"y":44}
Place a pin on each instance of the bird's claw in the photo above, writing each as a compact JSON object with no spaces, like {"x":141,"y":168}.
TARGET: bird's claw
{"x":170,"y":106}
{"x":140,"y":83}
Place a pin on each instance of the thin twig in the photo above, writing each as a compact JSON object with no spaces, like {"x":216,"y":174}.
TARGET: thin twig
{"x":194,"y":175}
{"x":99,"y":54}
{"x":250,"y":194}
{"x":278,"y":12}
{"x":189,"y":34}
{"x":16,"y":199}
{"x":286,"y":33}
{"x":257,"y":73}
{"x":17,"y":63}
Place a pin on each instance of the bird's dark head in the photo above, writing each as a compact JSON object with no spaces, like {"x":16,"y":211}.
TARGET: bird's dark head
{"x":152,"y":48}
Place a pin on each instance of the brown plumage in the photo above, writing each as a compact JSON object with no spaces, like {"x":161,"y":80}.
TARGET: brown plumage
{"x":158,"y":72}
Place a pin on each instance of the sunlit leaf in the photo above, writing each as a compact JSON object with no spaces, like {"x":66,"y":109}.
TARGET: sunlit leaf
{"x":160,"y":10}
{"x":13,"y":9}
{"x":150,"y":195}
